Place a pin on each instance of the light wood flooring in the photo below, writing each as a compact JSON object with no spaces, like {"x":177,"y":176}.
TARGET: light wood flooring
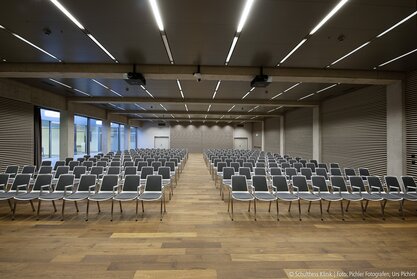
{"x":197,"y":239}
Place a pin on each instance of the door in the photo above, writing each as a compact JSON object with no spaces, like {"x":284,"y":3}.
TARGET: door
{"x":161,"y":142}
{"x":241,"y":143}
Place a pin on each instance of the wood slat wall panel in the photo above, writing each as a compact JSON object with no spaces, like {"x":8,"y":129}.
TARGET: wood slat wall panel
{"x":354,"y":130}
{"x":411,"y":122}
{"x":299,"y":133}
{"x":16,"y":133}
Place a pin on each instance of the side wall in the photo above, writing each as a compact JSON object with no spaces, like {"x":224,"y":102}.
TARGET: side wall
{"x":272,"y":134}
{"x":411,"y":123}
{"x":299,"y":133}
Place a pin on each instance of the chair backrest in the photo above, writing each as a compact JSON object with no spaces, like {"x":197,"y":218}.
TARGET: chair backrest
{"x":323,"y":165}
{"x":171,"y":165}
{"x":61,"y":170}
{"x":364,"y":172}
{"x":163,"y":161}
{"x":59,"y":164}
{"x":245,"y":172}
{"x":280,"y":181}
{"x":4,"y":180}
{"x":260,"y":183}
{"x":350,"y":172}
{"x":290,"y":172}
{"x":220,"y":166}
{"x":153,"y":183}
{"x":298,"y":166}
{"x":239,"y":183}
{"x":141,"y":164}
{"x":115,"y":163}
{"x":275,"y":171}
{"x":235,"y":165}
{"x":338,"y":181}
{"x":322,"y":172}
{"x":375,"y":181}
{"x":81,"y":160}
{"x":260,"y":165}
{"x":20,"y":179}
{"x":260,"y":171}
{"x":319,"y":181}
{"x":146,"y":171}
{"x":108,"y":182}
{"x":29,"y":169}
{"x":73,"y":164}
{"x":316,"y":164}
{"x":285,"y":165}
{"x":97,"y":170}
{"x":128,"y":164}
{"x":156,"y":165}
{"x":303,"y":161}
{"x":131,"y":183}
{"x":113,"y":170}
{"x":41,"y":180}
{"x":307,"y":172}
{"x":12,"y":170}
{"x":357,"y":181}
{"x":165,"y":172}
{"x":228,"y":172}
{"x":228,"y":161}
{"x":79,"y":170}
{"x":392,"y":181}
{"x":273,"y":165}
{"x":101,"y":164}
{"x":46,"y":163}
{"x":86,"y":181}
{"x":248,"y":165}
{"x":335,"y":172}
{"x":130,"y":170}
{"x":300,"y":181}
{"x":45,"y":170}
{"x":88,"y":164}
{"x":334,"y":166}
{"x":149,"y":161}
{"x":311,"y":166}
{"x":64,"y":180}
{"x":408,"y":181}
{"x":68,"y":159}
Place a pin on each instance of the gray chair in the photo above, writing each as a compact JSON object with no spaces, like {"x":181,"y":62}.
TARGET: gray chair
{"x":78,"y":172}
{"x":73,"y":164}
{"x":219,"y":172}
{"x":299,"y":182}
{"x":165,"y":172}
{"x":393,"y":184}
{"x":21,"y":181}
{"x":226,"y":179}
{"x":29,"y":169}
{"x":307,"y":172}
{"x":247,"y":173}
{"x":59,"y":164}
{"x":60,"y":171}
{"x":129,"y":192}
{"x":45,"y":170}
{"x":171,"y":166}
{"x":130,"y":170}
{"x":320,"y":184}
{"x":364,"y":172}
{"x":106,"y":191}
{"x":322,"y":172}
{"x":334,"y":166}
{"x":102,"y":164}
{"x":311,"y":166}
{"x":335,"y":172}
{"x":145,"y":172}
{"x":156,"y":165}
{"x":275,"y":171}
{"x":290,"y":172}
{"x":114,"y":170}
{"x":375,"y":183}
{"x":410,"y":188}
{"x":349,"y":172}
{"x":65,"y":182}
{"x":153,"y":191}
{"x":298,"y":166}
{"x":67,"y":160}
{"x":43,"y":181}
{"x":284,"y":193}
{"x":81,"y":191}
{"x":12,"y":171}
{"x":259,"y":171}
{"x":261,"y":192}
{"x":339,"y":183}
{"x":323,"y":166}
{"x":239,"y":191}
{"x":88,"y":164}
{"x":356,"y":182}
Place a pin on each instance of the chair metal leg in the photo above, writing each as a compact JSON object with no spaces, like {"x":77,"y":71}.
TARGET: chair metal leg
{"x":363,"y":213}
{"x":76,"y":206}
{"x":86,"y":212}
{"x":402,"y":209}
{"x":112,"y":205}
{"x":165,"y":206}
{"x":269,"y":210}
{"x":249,"y":206}
{"x":39,"y":208}
{"x":366,"y":205}
{"x":137,"y":204}
{"x":232,"y":208}
{"x":63,"y":208}
{"x":254,"y":206}
{"x":321,"y":210}
{"x":382,"y":209}
{"x":161,"y":210}
{"x":328,"y":206}
{"x":53,"y":203}
{"x":98,"y":207}
{"x":277,"y":210}
{"x":14,"y":209}
{"x":299,"y":210}
{"x":309,"y":206}
{"x":31,"y":204}
{"x":289,"y":207}
{"x":143,"y":208}
{"x":341,"y":208}
{"x":120,"y":205}
{"x":347,"y":206}
{"x":228,"y":203}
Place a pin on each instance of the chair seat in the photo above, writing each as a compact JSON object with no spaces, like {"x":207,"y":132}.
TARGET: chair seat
{"x":372,"y":197}
{"x":27,"y":196}
{"x":308,"y":196}
{"x":150,"y":196}
{"x":286,"y":196}
{"x":103,"y":196}
{"x":391,"y":197}
{"x":52,"y":196}
{"x":265,"y":196}
{"x":7,"y":195}
{"x":351,"y":197}
{"x":77,"y":196}
{"x":330,"y":196}
{"x":126,"y":196}
{"x":242,"y":196}
{"x":409,"y":196}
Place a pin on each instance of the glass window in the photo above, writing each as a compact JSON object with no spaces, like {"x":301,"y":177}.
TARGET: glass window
{"x":122,"y":137}
{"x":50,"y":134}
{"x":133,"y":137}
{"x":96,"y":128}
{"x":114,"y":134}
{"x":80,"y":136}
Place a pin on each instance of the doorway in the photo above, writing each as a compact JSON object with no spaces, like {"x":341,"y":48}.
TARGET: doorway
{"x":161,"y":142}
{"x":241,"y":143}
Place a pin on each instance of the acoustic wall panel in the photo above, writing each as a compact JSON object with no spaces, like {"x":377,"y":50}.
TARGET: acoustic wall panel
{"x":217,"y":136}
{"x":298,"y":131}
{"x":411,"y":122}
{"x":257,"y":135}
{"x":272,"y":135}
{"x":354,"y":130}
{"x":16,"y":133}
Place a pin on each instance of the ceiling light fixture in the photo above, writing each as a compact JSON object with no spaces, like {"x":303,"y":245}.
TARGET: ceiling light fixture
{"x":248,"y":93}
{"x":163,"y":107}
{"x":142,"y":108}
{"x":350,"y":53}
{"x":180,"y":88}
{"x":35,"y":46}
{"x":232,"y":47}
{"x":102,"y":47}
{"x":397,"y":24}
{"x":2,"y":27}
{"x":328,"y":16}
{"x":172,"y":116}
{"x":167,"y":48}
{"x":309,"y":95}
{"x":277,"y":108}
{"x":286,"y":90}
{"x":327,"y":88}
{"x":99,"y":83}
{"x":82,"y":92}
{"x":230,"y":109}
{"x":209,"y":107}
{"x":157,"y":14}
{"x":186,"y":107}
{"x":244,"y":16}
{"x":60,"y":83}
{"x":111,"y":90}
{"x":68,"y":14}
{"x":215,"y":90}
{"x":292,"y":51}
{"x":396,"y":58}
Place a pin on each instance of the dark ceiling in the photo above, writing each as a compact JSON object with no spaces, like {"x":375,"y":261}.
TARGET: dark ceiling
{"x":201,"y":32}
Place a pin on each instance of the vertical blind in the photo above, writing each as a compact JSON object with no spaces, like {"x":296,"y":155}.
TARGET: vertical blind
{"x":16,"y":133}
{"x":411,"y":122}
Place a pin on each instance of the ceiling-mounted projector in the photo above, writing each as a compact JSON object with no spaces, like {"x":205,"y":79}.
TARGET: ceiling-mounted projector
{"x":134,"y":78}
{"x":261,"y":81}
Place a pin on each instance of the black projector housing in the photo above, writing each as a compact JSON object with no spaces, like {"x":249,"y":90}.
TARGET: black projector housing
{"x":260,"y":81}
{"x":134,"y":78}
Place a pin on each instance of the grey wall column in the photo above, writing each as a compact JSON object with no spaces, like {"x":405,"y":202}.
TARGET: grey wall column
{"x":127,"y":137}
{"x":316,"y":134}
{"x":106,"y":136}
{"x":66,"y":134}
{"x":395,"y":130}
{"x":282,"y":135}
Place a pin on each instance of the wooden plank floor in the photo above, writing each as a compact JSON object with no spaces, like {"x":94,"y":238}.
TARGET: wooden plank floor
{"x":197,"y":239}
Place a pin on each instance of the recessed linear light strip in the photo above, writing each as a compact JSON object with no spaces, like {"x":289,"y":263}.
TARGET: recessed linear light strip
{"x":67,"y":86}
{"x":142,"y":108}
{"x":163,"y":107}
{"x":33,"y":45}
{"x":106,"y":87}
{"x":253,"y":108}
{"x":159,"y":22}
{"x":230,"y":109}
{"x":186,"y":107}
{"x":248,"y":93}
{"x":286,"y":90}
{"x":396,"y":58}
{"x":217,"y":88}
{"x":147,"y":91}
{"x":172,"y":116}
{"x":318,"y":91}
{"x":79,"y":25}
{"x":315,"y":29}
{"x":180,"y":88}
{"x":397,"y":24}
{"x":209,"y":107}
{"x":277,"y":108}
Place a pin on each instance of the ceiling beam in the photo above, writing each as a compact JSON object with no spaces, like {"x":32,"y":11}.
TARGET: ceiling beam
{"x":196,"y":119}
{"x":147,"y":100}
{"x":185,"y":72}
{"x":225,"y":113}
